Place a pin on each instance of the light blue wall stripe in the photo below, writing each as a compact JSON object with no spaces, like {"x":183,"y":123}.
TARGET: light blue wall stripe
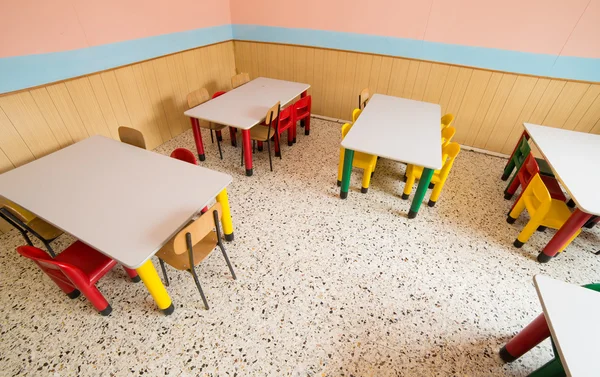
{"x":573,"y":68}
{"x":21,"y":72}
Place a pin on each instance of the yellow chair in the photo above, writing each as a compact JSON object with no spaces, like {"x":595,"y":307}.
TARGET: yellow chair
{"x":239,"y":79}
{"x":449,"y":153}
{"x":446,"y":120}
{"x":132,"y":136}
{"x":26,"y":222}
{"x":193,"y":244}
{"x":361,"y":160}
{"x":543,"y":211}
{"x":355,"y":115}
{"x":447,"y":135}
{"x":363,"y":98}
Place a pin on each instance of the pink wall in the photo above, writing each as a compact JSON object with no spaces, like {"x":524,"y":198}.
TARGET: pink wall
{"x":537,"y":26}
{"x":42,"y":26}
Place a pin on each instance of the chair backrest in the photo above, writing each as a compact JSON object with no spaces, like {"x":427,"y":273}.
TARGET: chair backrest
{"x":60,"y":272}
{"x":446,"y":120}
{"x":447,"y":135}
{"x":217,"y":94}
{"x":363,"y":98}
{"x":198,"y":229}
{"x":286,"y":118}
{"x":345,"y":128}
{"x":240,"y":79}
{"x":450,"y":151}
{"x":537,"y":193}
{"x":197,"y":97}
{"x":272,"y":118}
{"x":355,"y":114}
{"x":18,"y":211}
{"x":184,"y":155}
{"x":132,"y":136}
{"x":529,"y":169}
{"x":522,"y":152}
{"x":303,"y":105}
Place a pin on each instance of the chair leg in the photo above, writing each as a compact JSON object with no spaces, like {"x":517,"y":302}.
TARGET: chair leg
{"x":227,"y":259}
{"x":164,"y":271}
{"x":219,"y":146}
{"x":269,"y":150}
{"x":253,"y":146}
{"x":278,"y":144}
{"x":242,"y":156}
{"x":133,"y":275}
{"x":97,"y":299}
{"x":48,"y":247}
{"x":193,"y":271}
{"x":212,"y":138}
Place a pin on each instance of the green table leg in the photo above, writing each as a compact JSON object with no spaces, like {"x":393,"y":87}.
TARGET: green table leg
{"x":348,"y":157}
{"x":421,"y":191}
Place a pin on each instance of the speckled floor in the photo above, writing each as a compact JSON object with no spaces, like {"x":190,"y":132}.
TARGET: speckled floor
{"x":325,"y":287}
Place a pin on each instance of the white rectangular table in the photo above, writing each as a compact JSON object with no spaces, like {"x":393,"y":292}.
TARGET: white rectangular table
{"x":573,"y":157}
{"x":401,"y":130}
{"x":121,"y":200}
{"x":245,"y":107}
{"x":571,"y":317}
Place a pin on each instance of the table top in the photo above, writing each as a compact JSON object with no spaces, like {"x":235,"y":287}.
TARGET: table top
{"x":399,"y":129}
{"x":246,"y":106}
{"x":573,"y":156}
{"x":572,"y":315}
{"x":123,"y":201}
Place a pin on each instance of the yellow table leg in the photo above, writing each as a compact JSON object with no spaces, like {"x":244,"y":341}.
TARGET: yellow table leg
{"x":226,"y":221}
{"x":156,"y":288}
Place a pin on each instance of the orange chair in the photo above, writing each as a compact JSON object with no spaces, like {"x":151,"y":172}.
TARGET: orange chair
{"x":195,"y":243}
{"x":543,"y":211}
{"x":76,"y":270}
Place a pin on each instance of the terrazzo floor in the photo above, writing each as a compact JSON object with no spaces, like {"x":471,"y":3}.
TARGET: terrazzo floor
{"x":326,"y":287}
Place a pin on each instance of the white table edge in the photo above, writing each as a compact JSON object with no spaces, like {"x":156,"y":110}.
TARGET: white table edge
{"x":554,"y":170}
{"x":550,"y":327}
{"x":393,"y":159}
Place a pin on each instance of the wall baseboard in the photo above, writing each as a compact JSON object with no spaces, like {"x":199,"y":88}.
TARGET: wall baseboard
{"x":465,"y":147}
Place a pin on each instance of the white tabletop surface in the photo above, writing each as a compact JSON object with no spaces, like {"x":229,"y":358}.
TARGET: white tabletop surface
{"x":123,"y":201}
{"x":399,"y":129}
{"x":246,"y":106}
{"x":574,"y":158}
{"x":572,"y":314}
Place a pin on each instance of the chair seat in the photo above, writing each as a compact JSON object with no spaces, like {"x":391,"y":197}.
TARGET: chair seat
{"x":558,"y":214}
{"x":260,"y":133}
{"x":47,"y":231}
{"x":212,"y":126}
{"x":544,"y":167}
{"x":93,"y":263}
{"x":182,"y":261}
{"x":553,"y":188}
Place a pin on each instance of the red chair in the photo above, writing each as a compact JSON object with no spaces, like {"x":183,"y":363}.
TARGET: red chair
{"x":301,"y":110}
{"x":286,"y":123}
{"x":529,"y":169}
{"x":232,"y":130}
{"x":184,"y":155}
{"x":76,"y":270}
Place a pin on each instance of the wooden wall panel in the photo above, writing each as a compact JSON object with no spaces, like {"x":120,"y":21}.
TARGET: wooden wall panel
{"x":149,"y":96}
{"x":489,"y":107}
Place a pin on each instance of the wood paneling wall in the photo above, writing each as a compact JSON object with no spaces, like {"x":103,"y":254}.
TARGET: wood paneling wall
{"x":149,"y":96}
{"x":490,"y":107}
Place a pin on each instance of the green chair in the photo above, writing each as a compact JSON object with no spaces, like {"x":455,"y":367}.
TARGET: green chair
{"x":554,"y":367}
{"x":519,"y":157}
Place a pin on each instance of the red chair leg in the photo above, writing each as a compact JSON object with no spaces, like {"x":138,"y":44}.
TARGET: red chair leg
{"x":512,"y":188}
{"x":132,"y":274}
{"x":307,"y":125}
{"x":529,"y":337}
{"x":290,"y":136}
{"x":277,"y":150}
{"x":71,"y":291}
{"x":259,"y":146}
{"x":97,"y":299}
{"x":219,"y":135}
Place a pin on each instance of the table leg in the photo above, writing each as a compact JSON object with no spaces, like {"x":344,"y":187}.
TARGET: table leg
{"x":247,"y":151}
{"x":421,"y":191}
{"x":198,"y":139}
{"x":226,"y":219}
{"x":348,"y":158}
{"x":529,"y":337}
{"x":151,"y":280}
{"x":577,"y":219}
{"x":233,"y":136}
